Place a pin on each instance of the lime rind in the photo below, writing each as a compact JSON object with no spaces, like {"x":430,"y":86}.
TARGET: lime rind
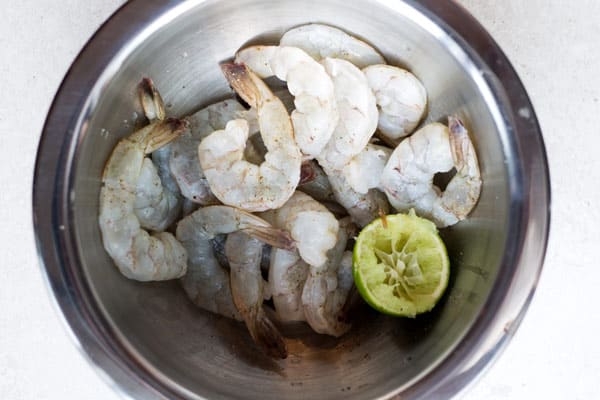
{"x":401,"y":265}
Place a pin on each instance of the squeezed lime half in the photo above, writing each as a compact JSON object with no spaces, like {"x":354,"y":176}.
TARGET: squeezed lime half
{"x":400,"y":265}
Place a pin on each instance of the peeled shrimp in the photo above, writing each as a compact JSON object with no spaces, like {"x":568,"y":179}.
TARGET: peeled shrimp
{"x":137,"y":254}
{"x":311,"y":225}
{"x":327,"y":287}
{"x":362,"y":207}
{"x":184,"y":163}
{"x":336,"y":194}
{"x":401,"y":99}
{"x":316,"y":115}
{"x":236,"y":181}
{"x":218,"y":244}
{"x":408,"y":176}
{"x":207,"y":283}
{"x":156,"y":207}
{"x":287,"y":274}
{"x":244,"y":254}
{"x":160,"y":158}
{"x":363,"y":171}
{"x":158,"y":200}
{"x":255,"y":148}
{"x":358,"y":115}
{"x":321,"y":41}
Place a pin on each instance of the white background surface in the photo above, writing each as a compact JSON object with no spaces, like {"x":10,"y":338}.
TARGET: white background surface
{"x":555,"y":47}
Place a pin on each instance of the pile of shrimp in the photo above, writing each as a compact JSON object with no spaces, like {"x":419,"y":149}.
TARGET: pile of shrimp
{"x":254,"y":206}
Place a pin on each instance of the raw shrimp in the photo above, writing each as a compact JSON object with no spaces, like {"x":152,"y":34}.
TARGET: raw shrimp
{"x":358,"y":113}
{"x":218,"y":245}
{"x":161,"y":158}
{"x":321,"y":41}
{"x":408,"y":176}
{"x":401,"y":99}
{"x":137,"y":254}
{"x":244,"y":254}
{"x":287,"y":274}
{"x":310,"y":224}
{"x":156,"y":207}
{"x":316,"y":115}
{"x":363,"y":208}
{"x":207,"y":283}
{"x":184,"y":163}
{"x":315,"y":183}
{"x":255,"y":148}
{"x":363,"y":171}
{"x":158,"y":200}
{"x":335,"y":193}
{"x":236,"y":181}
{"x":327,"y":287}
{"x":210,"y":119}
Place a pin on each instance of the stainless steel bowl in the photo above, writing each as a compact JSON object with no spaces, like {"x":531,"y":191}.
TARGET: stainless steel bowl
{"x":149,"y":342}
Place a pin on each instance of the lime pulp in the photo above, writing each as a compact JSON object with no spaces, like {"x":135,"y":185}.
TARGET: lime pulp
{"x":400,"y":265}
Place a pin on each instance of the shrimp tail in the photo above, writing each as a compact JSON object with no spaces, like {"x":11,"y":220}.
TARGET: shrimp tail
{"x":151,"y":100}
{"x":163,"y":133}
{"x":241,"y":80}
{"x":463,"y":152}
{"x":464,"y":189}
{"x":274,"y":236}
{"x":458,"y":141}
{"x":267,"y":336}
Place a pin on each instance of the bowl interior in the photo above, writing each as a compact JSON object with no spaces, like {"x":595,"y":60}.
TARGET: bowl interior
{"x":201,"y":355}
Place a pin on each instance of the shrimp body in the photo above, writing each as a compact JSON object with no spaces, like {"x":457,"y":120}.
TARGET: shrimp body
{"x":327,"y":287}
{"x":287,"y":275}
{"x":362,"y":207}
{"x":244,"y":254}
{"x":316,"y":115}
{"x":158,"y":200}
{"x":136,"y":253}
{"x":183,"y":161}
{"x":321,"y":41}
{"x":358,"y":113}
{"x":311,"y":225}
{"x":408,"y":176}
{"x":334,"y":190}
{"x":207,"y":283}
{"x":363,"y":171}
{"x":156,"y":206}
{"x":401,"y":99}
{"x":234,"y":180}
